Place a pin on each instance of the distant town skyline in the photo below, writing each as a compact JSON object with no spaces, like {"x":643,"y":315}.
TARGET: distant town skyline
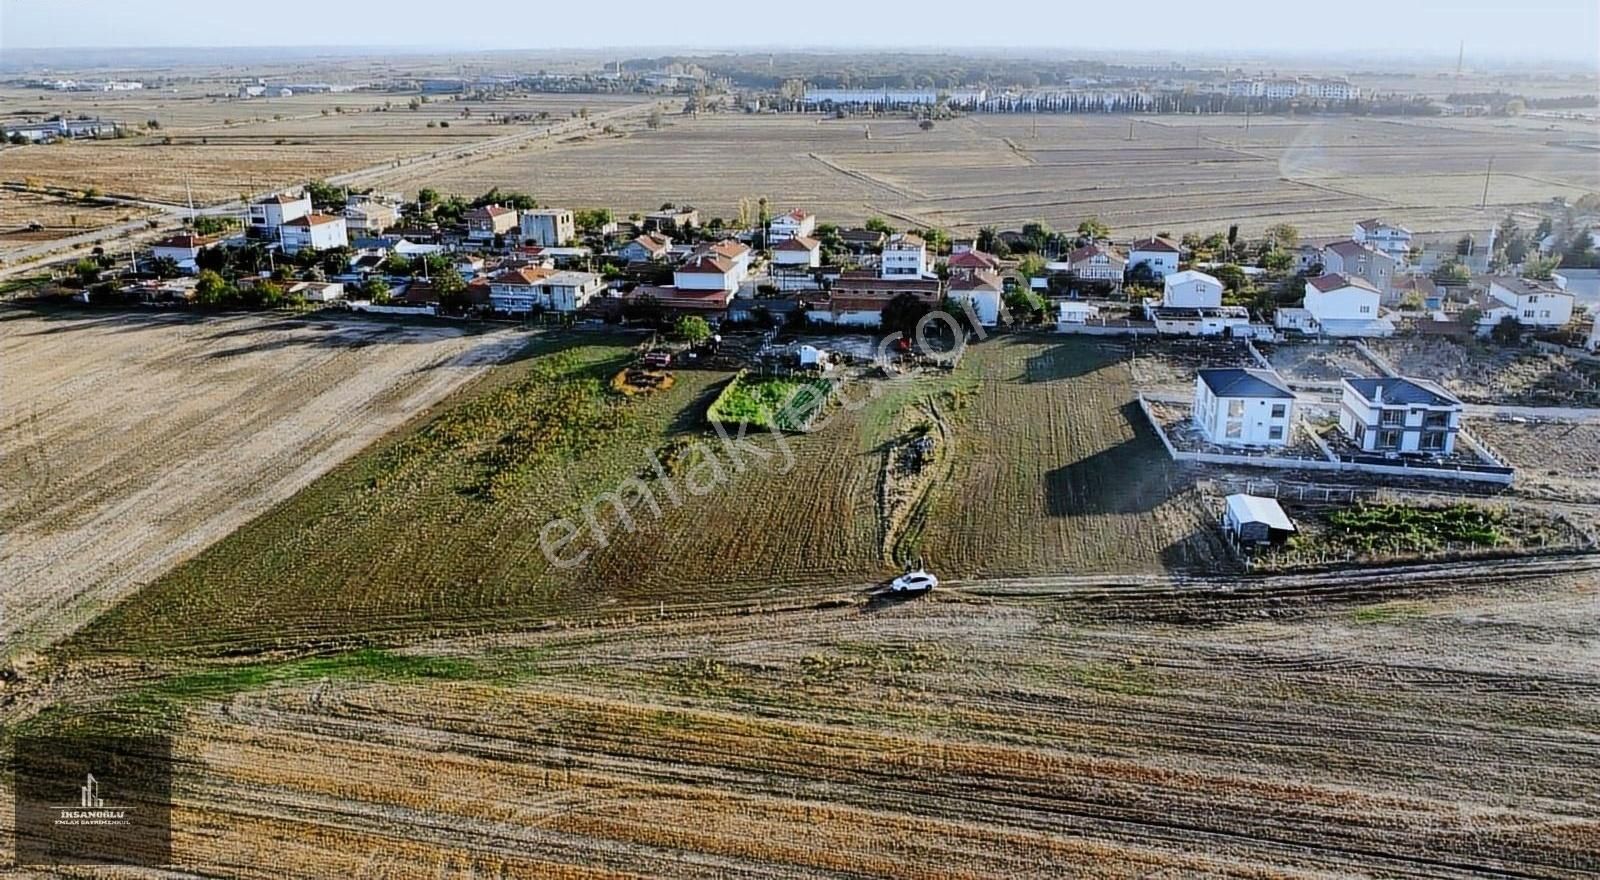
{"x":1554,"y":30}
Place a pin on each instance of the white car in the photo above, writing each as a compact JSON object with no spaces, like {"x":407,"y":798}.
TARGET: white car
{"x":918,"y":581}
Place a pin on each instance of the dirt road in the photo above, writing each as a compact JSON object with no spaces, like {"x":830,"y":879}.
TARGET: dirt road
{"x":129,"y":441}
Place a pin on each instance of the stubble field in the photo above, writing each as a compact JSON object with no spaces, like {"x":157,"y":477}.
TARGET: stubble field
{"x":1175,"y":174}
{"x":1431,"y":735}
{"x":130,"y":441}
{"x":429,"y":532}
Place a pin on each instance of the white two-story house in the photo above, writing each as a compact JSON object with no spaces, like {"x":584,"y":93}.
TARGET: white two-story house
{"x":267,"y":216}
{"x":905,"y":255}
{"x":1386,"y":237}
{"x":547,"y":227}
{"x":1239,"y":407}
{"x":1531,"y":303}
{"x":790,"y":225}
{"x":1335,"y":305}
{"x":1190,"y":290}
{"x":1096,"y":262}
{"x":1399,"y":416}
{"x":316,"y":231}
{"x":1159,"y":254}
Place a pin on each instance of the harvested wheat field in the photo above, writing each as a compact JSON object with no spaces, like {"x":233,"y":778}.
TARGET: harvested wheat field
{"x":1140,"y":175}
{"x":130,"y":441}
{"x":59,"y":217}
{"x":1167,"y":734}
{"x":442,"y":528}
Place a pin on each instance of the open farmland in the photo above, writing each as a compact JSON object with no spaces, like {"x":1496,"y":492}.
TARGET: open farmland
{"x":222,"y":147}
{"x":1172,"y":732}
{"x":129,"y":441}
{"x":441,"y":529}
{"x":59,"y":216}
{"x":1175,"y":174}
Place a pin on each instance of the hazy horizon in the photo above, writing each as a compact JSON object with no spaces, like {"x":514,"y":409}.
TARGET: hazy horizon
{"x":1558,"y":31}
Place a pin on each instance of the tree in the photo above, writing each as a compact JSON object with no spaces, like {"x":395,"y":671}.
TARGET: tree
{"x":324,"y":196}
{"x":1232,"y":277}
{"x":644,"y":309}
{"x":938,"y":240}
{"x":1025,"y":305}
{"x":592,"y":219}
{"x":1284,"y":235}
{"x":878,"y":224}
{"x":397,"y":264}
{"x":87,"y":270}
{"x":1278,"y":261}
{"x":164,"y":267}
{"x":1092,"y":229}
{"x":1451,"y":272}
{"x":653,"y":121}
{"x":1507,"y":332}
{"x":212,"y":289}
{"x":376,"y":290}
{"x":1031,"y":266}
{"x":1470,"y":315}
{"x":452,"y":289}
{"x":1540,"y":268}
{"x":692,"y":329}
{"x":902,"y":313}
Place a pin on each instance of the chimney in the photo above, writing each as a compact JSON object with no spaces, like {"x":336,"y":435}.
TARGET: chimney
{"x":1377,"y":394}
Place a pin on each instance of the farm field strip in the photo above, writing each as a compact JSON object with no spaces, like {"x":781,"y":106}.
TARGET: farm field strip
{"x":940,"y":737}
{"x":131,"y":441}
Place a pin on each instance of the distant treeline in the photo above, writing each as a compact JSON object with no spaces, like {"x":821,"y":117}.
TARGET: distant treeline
{"x":1139,"y":102}
{"x":1499,"y":100}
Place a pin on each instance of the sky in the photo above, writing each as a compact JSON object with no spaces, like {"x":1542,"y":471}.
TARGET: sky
{"x":1556,"y":30}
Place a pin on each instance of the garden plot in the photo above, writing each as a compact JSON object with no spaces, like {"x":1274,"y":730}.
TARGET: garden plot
{"x":1312,"y":362}
{"x":1171,"y":363}
{"x":1553,"y":459}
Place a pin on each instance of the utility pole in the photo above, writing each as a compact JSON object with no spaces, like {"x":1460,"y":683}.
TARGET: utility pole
{"x":1484,"y":203}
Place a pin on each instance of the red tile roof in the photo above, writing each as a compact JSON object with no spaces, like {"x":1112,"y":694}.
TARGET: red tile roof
{"x":312,"y":220}
{"x":1165,"y":245}
{"x":973,"y":260}
{"x":524,"y":276}
{"x":798,"y":243}
{"x":707,"y":265}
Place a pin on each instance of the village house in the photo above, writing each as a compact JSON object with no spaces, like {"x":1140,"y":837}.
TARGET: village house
{"x":529,"y":288}
{"x":1337,"y":306}
{"x":787,"y":226}
{"x":1096,"y":262}
{"x":982,"y":290}
{"x":1159,"y":255}
{"x":488,"y":222}
{"x":1243,"y":407}
{"x":862,"y":241}
{"x":547,"y":227}
{"x":797,"y":251}
{"x":707,"y":272}
{"x":707,"y":303}
{"x":1191,"y":305}
{"x":183,"y":249}
{"x":970,"y":261}
{"x":646,"y":248}
{"x":1529,"y":302}
{"x":732,"y":251}
{"x":906,"y":256}
{"x":315,"y":231}
{"x":1386,"y":237}
{"x":316,"y":291}
{"x":1353,"y":259}
{"x":1392,"y":415}
{"x":267,"y":216}
{"x":366,"y":214}
{"x":671,"y":221}
{"x":857,"y":298}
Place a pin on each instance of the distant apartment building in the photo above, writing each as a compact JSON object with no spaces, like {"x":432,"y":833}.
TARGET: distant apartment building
{"x":267,"y":216}
{"x":547,"y":227}
{"x":366,"y":214}
{"x":905,"y":255}
{"x":1386,"y":237}
{"x":313,"y":231}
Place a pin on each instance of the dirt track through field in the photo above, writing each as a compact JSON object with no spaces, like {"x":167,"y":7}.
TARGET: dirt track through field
{"x":129,"y":442}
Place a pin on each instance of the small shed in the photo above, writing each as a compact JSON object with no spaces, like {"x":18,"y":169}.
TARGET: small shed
{"x":1252,"y":520}
{"x":810,"y":355}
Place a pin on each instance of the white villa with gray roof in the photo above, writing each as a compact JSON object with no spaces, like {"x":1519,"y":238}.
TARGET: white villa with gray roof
{"x":1399,"y":416}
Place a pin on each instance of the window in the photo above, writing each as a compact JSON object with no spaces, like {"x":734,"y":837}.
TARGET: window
{"x":1433,"y":441}
{"x":1235,"y":430}
{"x":1235,"y":409}
{"x":1437,"y":420}
{"x":1279,"y":410}
{"x":1392,"y":417}
{"x":1365,"y":310}
{"x":1276,"y":433}
{"x":1389,"y":440}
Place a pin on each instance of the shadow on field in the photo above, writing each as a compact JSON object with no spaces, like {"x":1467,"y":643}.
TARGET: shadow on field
{"x":1066,"y":360}
{"x":1201,"y":552}
{"x":1130,"y":477}
{"x":692,"y":418}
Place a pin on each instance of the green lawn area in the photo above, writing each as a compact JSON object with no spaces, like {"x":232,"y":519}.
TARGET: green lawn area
{"x":769,"y":402}
{"x":1405,"y":528}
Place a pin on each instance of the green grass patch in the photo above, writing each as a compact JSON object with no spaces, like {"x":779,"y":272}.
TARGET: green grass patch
{"x":1369,"y":528}
{"x":770,"y":402}
{"x":1387,"y":612}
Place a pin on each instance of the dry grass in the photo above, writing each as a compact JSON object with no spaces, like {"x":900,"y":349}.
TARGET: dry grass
{"x":130,"y":441}
{"x":935,"y":739}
